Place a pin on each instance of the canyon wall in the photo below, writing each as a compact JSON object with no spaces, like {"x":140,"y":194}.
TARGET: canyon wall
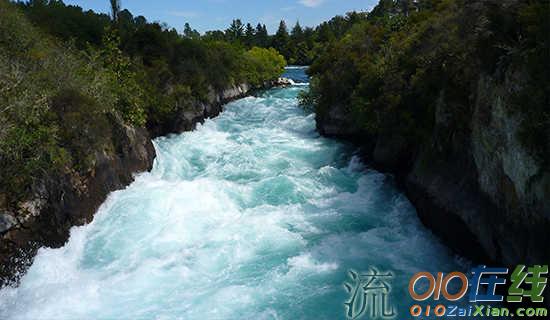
{"x":475,"y":185}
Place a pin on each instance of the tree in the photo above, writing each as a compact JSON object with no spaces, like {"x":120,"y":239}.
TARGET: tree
{"x":262,"y":64}
{"x":309,"y":35}
{"x":115,"y":10}
{"x":190,"y":33}
{"x":297,"y":33}
{"x":235,"y":31}
{"x":249,"y":35}
{"x":215,"y":35}
{"x":281,"y":38}
{"x":262,"y":38}
{"x":140,"y":21}
{"x":297,"y":48}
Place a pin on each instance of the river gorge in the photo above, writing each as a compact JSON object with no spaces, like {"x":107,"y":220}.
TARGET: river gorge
{"x":252,"y":215}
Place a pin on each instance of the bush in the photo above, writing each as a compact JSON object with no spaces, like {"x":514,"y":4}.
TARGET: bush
{"x":263,"y":64}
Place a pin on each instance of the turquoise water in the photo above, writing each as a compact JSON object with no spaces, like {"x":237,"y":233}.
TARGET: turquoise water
{"x":251,"y":216}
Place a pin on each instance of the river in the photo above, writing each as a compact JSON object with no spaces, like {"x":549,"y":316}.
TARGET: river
{"x":251,"y":216}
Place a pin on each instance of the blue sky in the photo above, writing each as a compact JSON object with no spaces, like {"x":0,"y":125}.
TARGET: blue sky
{"x":206,"y":15}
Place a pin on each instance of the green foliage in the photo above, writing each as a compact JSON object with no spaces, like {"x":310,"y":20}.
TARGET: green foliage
{"x":124,"y":81}
{"x":263,"y":64}
{"x":300,"y":46}
{"x":115,"y":10}
{"x":32,"y":127}
{"x":82,"y":27}
{"x":281,"y":39}
{"x":190,"y":33}
{"x":309,"y":99}
{"x":391,"y":69}
{"x":83,"y":127}
{"x":235,"y":31}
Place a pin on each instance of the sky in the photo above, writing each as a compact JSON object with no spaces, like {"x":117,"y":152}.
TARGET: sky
{"x":205,"y":15}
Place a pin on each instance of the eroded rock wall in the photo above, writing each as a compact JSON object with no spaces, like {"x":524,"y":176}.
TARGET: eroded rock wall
{"x":473,"y":182}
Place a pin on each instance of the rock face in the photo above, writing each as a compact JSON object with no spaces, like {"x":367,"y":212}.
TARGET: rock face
{"x":477,"y":187}
{"x":71,"y":198}
{"x":197,"y":112}
{"x":336,"y":122}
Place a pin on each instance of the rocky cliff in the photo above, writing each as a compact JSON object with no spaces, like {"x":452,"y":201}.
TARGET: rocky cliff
{"x":189,"y":115}
{"x":60,"y":202}
{"x":473,"y":182}
{"x":72,"y":197}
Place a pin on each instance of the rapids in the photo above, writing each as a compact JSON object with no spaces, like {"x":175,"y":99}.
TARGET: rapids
{"x":251,"y":216}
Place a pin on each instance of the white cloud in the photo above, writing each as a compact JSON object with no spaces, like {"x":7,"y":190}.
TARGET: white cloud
{"x":311,"y":3}
{"x":184,"y":14}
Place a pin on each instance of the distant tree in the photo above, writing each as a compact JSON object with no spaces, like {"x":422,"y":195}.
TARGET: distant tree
{"x":261,"y":36}
{"x":297,"y":33}
{"x":382,"y":8}
{"x":309,"y":35}
{"x":259,"y":29}
{"x":125,"y":17}
{"x":187,"y":31}
{"x":215,"y":35}
{"x":249,"y":35}
{"x":235,"y":31}
{"x":297,"y":48}
{"x":115,"y":10}
{"x":282,"y":31}
{"x":190,"y":33}
{"x":140,"y":21}
{"x":281,"y":39}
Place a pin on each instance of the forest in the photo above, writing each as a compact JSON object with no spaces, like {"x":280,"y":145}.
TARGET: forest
{"x":299,"y":45}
